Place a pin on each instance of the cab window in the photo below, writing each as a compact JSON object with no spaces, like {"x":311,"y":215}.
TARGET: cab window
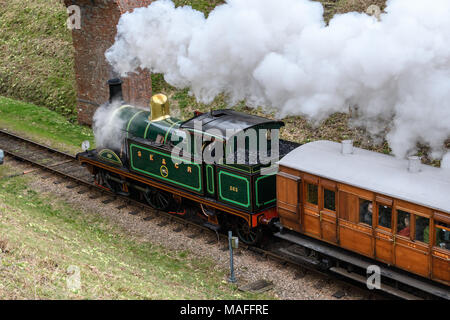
{"x":365,"y":211}
{"x":385,"y":216}
{"x":442,"y":235}
{"x":422,"y":229}
{"x":329,"y":200}
{"x":312,"y":193}
{"x":403,"y":222}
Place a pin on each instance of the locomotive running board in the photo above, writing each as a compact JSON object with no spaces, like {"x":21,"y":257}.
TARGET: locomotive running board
{"x":361,"y":262}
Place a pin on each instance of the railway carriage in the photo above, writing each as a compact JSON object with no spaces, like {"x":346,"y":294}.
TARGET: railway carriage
{"x":391,"y":210}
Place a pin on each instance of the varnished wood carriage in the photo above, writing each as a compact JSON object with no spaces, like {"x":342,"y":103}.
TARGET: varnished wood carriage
{"x":326,"y":194}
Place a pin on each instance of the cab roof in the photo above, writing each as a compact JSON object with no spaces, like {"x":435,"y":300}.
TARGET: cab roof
{"x":224,"y":119}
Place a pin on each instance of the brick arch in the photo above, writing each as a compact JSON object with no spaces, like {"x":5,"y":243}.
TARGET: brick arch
{"x":99,"y":20}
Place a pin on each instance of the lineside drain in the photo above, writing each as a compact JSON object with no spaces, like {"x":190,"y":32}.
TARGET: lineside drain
{"x":257,"y":286}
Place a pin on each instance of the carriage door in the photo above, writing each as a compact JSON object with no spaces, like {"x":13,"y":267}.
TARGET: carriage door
{"x":384,"y":237}
{"x":288,"y":201}
{"x":327,"y":204}
{"x":412,"y":240}
{"x":311,"y":209}
{"x":356,"y":220}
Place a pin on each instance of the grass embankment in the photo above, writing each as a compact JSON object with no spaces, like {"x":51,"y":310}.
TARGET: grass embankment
{"x":36,"y":54}
{"x":43,"y":125}
{"x":43,"y":242}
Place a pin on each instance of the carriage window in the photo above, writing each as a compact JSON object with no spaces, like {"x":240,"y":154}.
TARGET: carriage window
{"x":422,"y":229}
{"x":385,"y":216}
{"x":365,"y":211}
{"x":311,"y":193}
{"x":442,"y":235}
{"x":329,"y":199}
{"x":403,"y":219}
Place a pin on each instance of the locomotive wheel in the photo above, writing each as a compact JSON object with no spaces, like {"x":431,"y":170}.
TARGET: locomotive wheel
{"x":102,"y":179}
{"x":157,"y":199}
{"x":250,"y":236}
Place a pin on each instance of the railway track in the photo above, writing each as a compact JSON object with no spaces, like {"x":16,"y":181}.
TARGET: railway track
{"x":65,"y":166}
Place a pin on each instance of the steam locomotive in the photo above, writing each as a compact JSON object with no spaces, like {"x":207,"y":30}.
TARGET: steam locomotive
{"x":347,"y":206}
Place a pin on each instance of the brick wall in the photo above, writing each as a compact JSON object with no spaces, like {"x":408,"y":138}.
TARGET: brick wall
{"x":98,"y":29}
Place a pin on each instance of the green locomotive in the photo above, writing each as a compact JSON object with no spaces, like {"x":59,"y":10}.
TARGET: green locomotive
{"x":241,"y":195}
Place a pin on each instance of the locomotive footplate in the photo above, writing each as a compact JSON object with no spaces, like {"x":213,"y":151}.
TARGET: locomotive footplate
{"x":89,"y":159}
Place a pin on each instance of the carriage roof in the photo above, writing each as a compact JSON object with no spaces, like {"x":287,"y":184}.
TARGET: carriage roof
{"x":373,"y":171}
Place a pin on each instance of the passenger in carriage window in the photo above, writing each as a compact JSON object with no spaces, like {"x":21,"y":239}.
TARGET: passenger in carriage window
{"x":443,"y":235}
{"x":426,"y":234}
{"x":385,"y":216}
{"x":365,"y":212}
{"x":403,"y":223}
{"x":422,"y":229}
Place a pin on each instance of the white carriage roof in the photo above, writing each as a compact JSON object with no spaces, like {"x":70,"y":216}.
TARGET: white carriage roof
{"x":373,"y":171}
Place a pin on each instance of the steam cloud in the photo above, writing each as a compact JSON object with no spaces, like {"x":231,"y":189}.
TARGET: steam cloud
{"x":108,"y":129}
{"x":281,"y":53}
{"x":445,"y":163}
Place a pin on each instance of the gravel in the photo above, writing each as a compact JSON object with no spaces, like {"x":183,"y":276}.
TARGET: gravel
{"x":290,"y":283}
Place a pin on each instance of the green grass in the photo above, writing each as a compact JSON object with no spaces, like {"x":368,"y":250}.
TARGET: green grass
{"x":36,"y":54}
{"x":40,"y":238}
{"x":43,"y":125}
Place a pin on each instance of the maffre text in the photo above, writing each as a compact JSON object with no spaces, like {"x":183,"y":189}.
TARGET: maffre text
{"x":233,"y":309}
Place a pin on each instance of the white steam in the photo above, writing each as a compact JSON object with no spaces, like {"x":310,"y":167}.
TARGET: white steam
{"x":445,"y":163}
{"x":108,"y":129}
{"x":280,"y":53}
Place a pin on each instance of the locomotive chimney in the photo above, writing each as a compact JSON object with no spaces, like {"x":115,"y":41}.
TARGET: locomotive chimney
{"x":347,"y":147}
{"x":115,"y":89}
{"x":414,"y":164}
{"x":160,"y":108}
